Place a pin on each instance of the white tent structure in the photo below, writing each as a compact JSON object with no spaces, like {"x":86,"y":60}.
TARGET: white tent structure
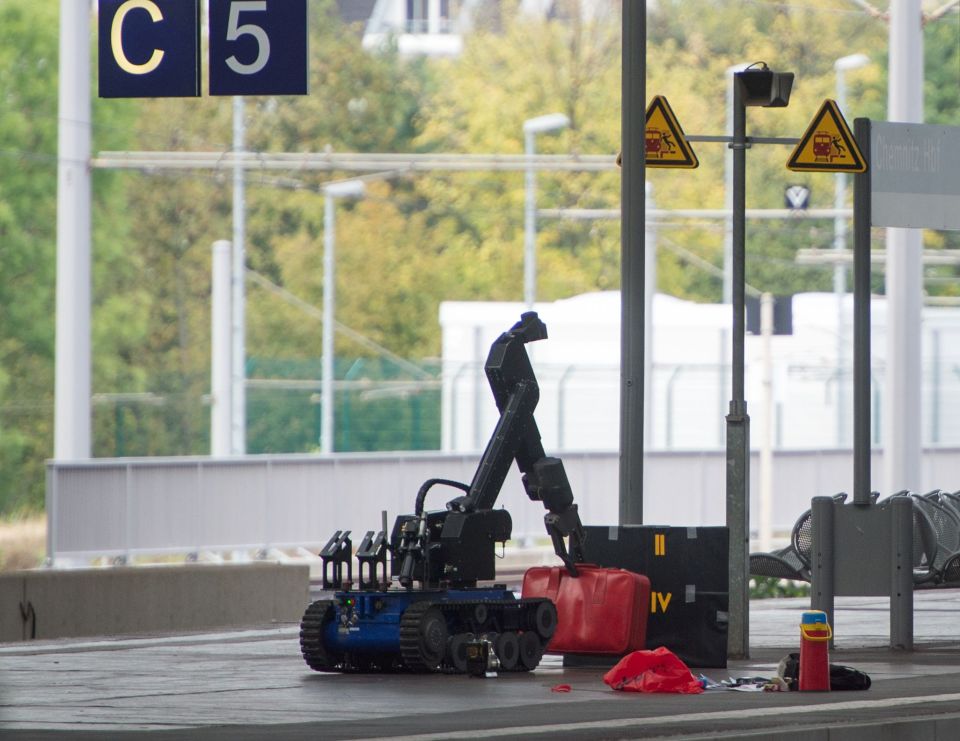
{"x":578,"y":370}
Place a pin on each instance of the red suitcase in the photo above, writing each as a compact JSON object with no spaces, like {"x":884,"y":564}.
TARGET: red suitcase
{"x":601,"y":611}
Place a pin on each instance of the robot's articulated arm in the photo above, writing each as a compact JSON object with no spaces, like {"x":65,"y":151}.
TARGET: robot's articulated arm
{"x":456,"y":545}
{"x":516,"y":391}
{"x":547,"y":481}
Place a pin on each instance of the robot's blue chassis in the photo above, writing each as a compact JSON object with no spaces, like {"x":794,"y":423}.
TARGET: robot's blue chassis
{"x":369,"y":622}
{"x":425,"y":630}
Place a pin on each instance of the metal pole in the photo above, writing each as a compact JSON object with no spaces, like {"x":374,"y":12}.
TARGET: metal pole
{"x":738,"y":421}
{"x":530,"y":227}
{"x":329,"y":286}
{"x":902,"y":400}
{"x":479,"y":387}
{"x":72,"y":376}
{"x":238,"y":414}
{"x":861,"y":320}
{"x":531,"y":127}
{"x":632,"y":220}
{"x":935,"y":384}
{"x":331,"y":191}
{"x":840,"y":66}
{"x":728,"y":189}
{"x":649,"y":291}
{"x":766,"y":443}
{"x":839,"y":291}
{"x":901,"y":574}
{"x":823,"y":556}
{"x":221,"y":365}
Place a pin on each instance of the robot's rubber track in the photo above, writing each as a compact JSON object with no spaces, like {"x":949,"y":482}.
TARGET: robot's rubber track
{"x":413,"y":651}
{"x":314,"y":652}
{"x":428,"y":628}
{"x":499,"y":608}
{"x":418,"y":641}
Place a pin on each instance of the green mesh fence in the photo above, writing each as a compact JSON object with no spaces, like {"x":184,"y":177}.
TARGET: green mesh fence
{"x":377,"y":406}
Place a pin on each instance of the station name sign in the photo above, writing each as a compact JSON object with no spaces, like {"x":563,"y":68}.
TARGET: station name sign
{"x":915,"y":175}
{"x":151,"y":48}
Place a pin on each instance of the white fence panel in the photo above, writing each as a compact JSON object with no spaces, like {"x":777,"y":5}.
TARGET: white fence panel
{"x":147,"y":506}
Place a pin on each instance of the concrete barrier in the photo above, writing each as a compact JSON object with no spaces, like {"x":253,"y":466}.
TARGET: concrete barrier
{"x":157,"y":599}
{"x":11,"y":599}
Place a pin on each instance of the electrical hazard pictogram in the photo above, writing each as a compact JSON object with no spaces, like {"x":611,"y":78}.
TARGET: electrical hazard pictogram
{"x":827,"y":145}
{"x":664,"y":142}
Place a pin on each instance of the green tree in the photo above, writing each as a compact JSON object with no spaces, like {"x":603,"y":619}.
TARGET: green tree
{"x":519,"y":69}
{"x":28,"y":136}
{"x":525,"y":67}
{"x":358,"y":102}
{"x":942,"y":106}
{"x":28,"y":199}
{"x":941,"y":88}
{"x":174,"y":220}
{"x":413,"y":240}
{"x":692,"y":43}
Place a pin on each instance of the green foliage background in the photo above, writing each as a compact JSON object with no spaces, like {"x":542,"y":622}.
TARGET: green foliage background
{"x":414,"y":241}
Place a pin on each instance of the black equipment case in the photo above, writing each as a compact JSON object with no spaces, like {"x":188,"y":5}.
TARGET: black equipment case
{"x":687,"y":568}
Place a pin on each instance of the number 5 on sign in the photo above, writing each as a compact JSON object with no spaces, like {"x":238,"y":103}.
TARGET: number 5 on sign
{"x":258,"y":47}
{"x":235,"y":31}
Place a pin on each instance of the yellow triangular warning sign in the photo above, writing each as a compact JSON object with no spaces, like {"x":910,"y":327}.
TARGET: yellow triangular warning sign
{"x":827,"y":145}
{"x":665,"y":144}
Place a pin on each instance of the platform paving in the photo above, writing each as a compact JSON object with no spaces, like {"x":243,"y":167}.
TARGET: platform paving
{"x":253,"y":684}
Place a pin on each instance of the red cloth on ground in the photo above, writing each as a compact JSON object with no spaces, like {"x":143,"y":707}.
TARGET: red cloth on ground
{"x":659,"y":670}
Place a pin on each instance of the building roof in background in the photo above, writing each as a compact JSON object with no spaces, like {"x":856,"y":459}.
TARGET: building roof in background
{"x":356,"y":11}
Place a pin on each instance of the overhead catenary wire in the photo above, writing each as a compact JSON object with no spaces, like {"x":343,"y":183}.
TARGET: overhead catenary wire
{"x":353,"y":334}
{"x":360,"y":162}
{"x":702,"y":263}
{"x":937,"y":14}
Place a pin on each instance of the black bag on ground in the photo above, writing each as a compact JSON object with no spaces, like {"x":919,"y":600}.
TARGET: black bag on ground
{"x":841,"y":677}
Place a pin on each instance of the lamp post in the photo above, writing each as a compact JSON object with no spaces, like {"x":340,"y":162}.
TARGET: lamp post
{"x":755,"y":86}
{"x":238,"y":301}
{"x":532,"y":127}
{"x":221,"y":355}
{"x":841,"y":66}
{"x":728,"y":189}
{"x":902,"y":401}
{"x":331,"y":191}
{"x":633,"y":93}
{"x":72,"y":431}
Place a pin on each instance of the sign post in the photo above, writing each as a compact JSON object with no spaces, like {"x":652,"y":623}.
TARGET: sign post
{"x":632,"y":268}
{"x":861,"y":323}
{"x":914,"y":182}
{"x":762,"y":87}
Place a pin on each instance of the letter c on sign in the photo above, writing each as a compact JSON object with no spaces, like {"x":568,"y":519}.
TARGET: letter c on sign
{"x":116,"y":38}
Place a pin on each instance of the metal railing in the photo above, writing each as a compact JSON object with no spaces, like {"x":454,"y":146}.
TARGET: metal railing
{"x":141,"y":508}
